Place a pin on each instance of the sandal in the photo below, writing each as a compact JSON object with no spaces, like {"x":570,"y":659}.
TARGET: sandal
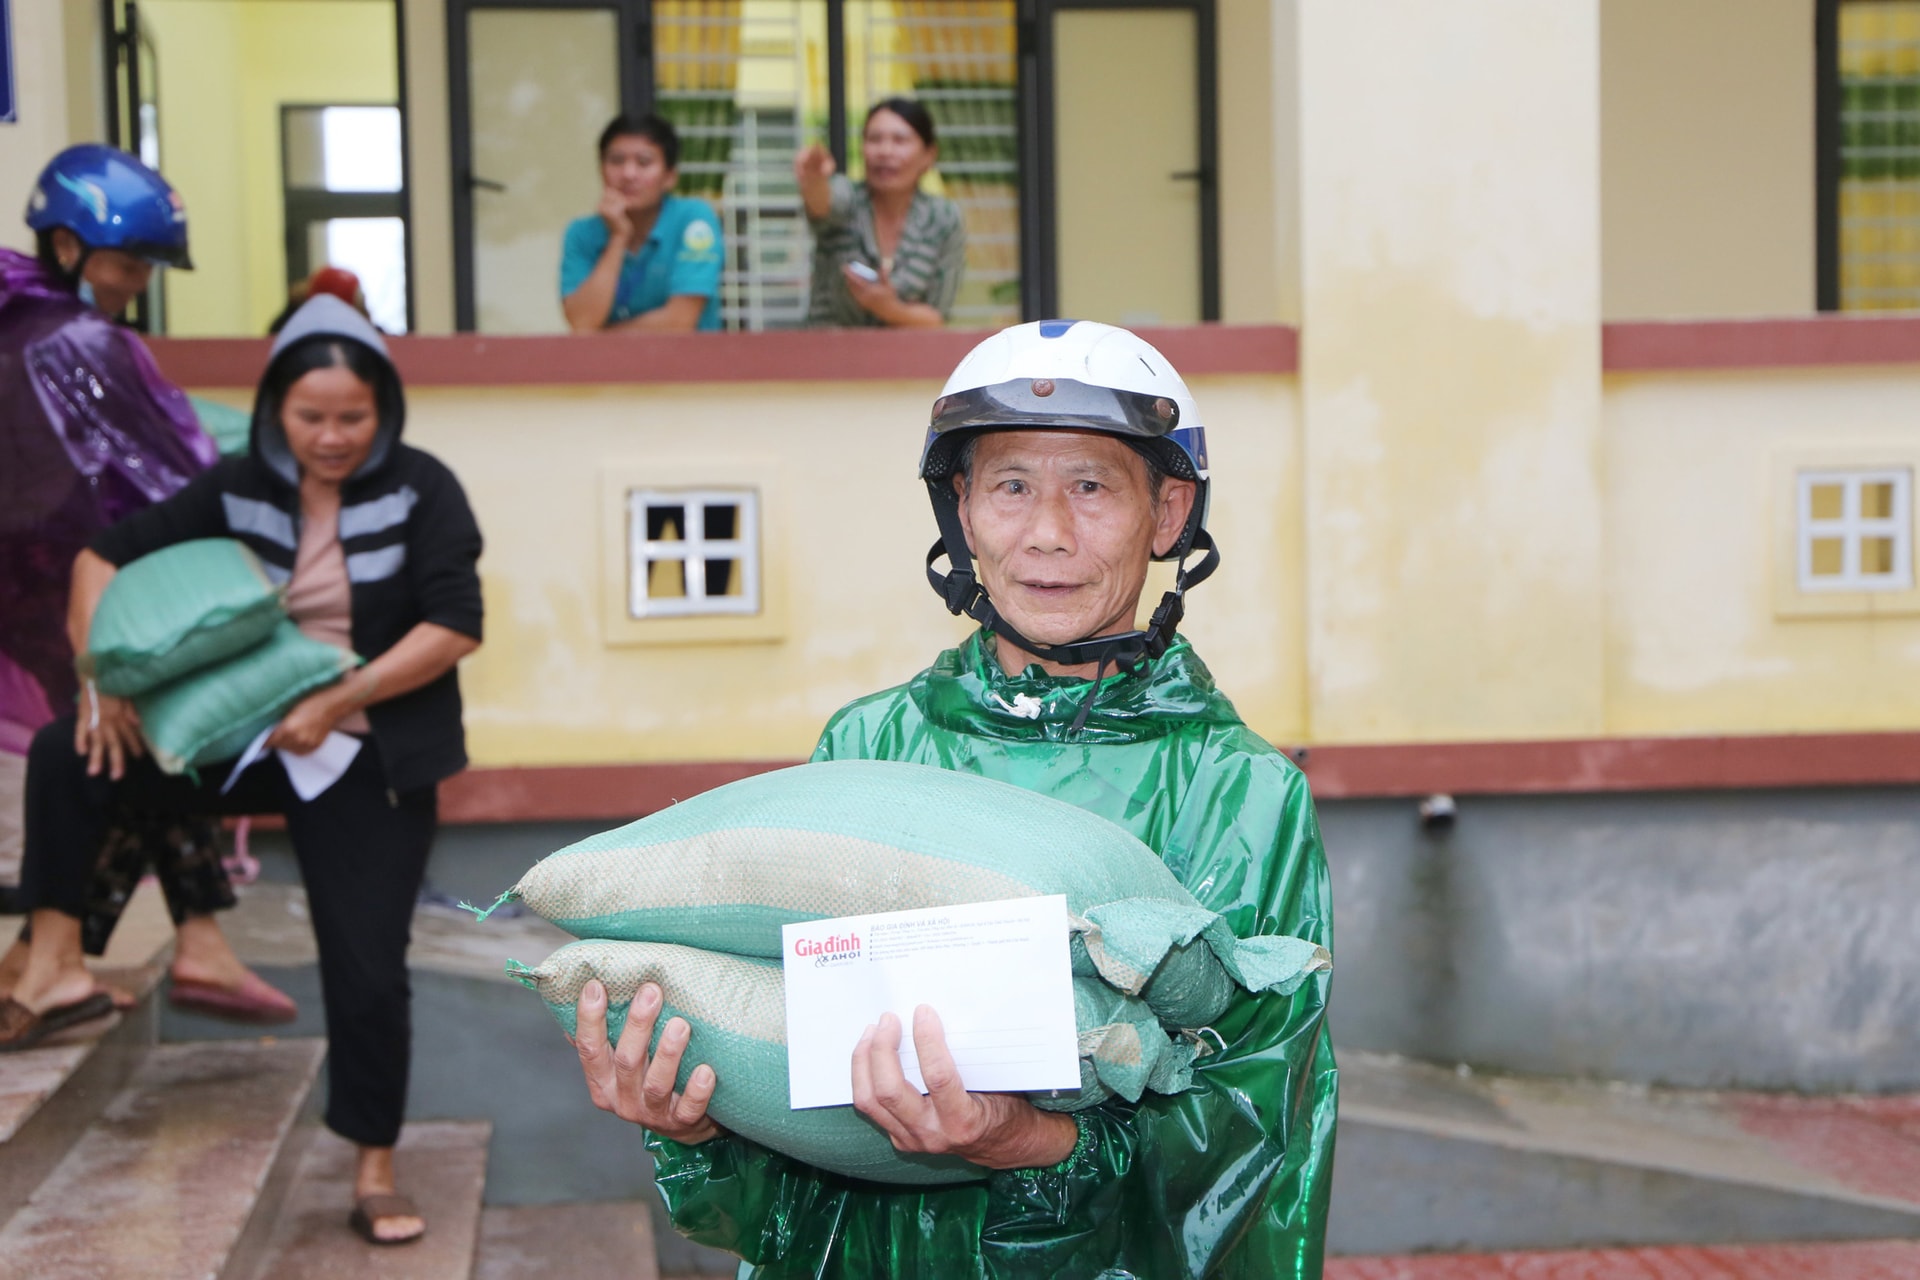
{"x":368,"y":1210}
{"x":22,"y":1028}
{"x":253,"y":1001}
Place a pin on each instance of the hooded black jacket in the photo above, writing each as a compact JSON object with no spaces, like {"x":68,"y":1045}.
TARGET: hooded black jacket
{"x":409,"y":536}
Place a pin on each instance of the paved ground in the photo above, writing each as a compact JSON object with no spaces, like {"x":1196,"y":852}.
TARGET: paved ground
{"x":1888,"y":1260}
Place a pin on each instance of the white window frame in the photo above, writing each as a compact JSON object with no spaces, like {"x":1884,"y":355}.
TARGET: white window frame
{"x":693,"y":551}
{"x":1852,"y":529}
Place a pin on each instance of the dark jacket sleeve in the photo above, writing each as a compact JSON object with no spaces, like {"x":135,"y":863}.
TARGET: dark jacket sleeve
{"x":194,"y":512}
{"x":443,"y":552}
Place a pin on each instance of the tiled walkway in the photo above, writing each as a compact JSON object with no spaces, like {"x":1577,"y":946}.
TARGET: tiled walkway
{"x":1872,"y":1260}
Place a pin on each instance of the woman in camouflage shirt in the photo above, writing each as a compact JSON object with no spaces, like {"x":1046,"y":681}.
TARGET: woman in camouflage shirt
{"x":884,"y":251}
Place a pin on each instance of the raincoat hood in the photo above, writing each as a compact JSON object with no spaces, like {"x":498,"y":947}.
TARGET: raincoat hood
{"x":89,"y":432}
{"x":967,"y":691}
{"x":324,"y":317}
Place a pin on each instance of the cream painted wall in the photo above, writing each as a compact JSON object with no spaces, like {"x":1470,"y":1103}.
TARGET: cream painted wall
{"x":227,"y":66}
{"x":1256,"y":130}
{"x":1450,"y":386}
{"x":846,"y":530}
{"x":1707,"y":158}
{"x":430,"y":172}
{"x":43,"y":124}
{"x":1694,"y":524}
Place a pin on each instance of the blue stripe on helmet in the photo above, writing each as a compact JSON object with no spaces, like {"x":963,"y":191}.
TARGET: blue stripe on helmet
{"x":1193,"y":441}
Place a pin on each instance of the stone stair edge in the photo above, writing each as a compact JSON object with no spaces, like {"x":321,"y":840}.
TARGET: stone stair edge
{"x":219,"y":1112}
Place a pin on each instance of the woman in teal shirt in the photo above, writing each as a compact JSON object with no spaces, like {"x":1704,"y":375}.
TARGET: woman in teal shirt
{"x":646,"y":259}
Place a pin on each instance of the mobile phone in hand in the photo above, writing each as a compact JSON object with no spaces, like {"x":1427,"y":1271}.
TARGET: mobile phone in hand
{"x":864,"y":271}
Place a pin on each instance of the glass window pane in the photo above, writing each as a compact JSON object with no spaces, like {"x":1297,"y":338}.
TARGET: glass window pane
{"x":666,"y":524}
{"x":1876,"y":500}
{"x":1829,"y":557}
{"x":375,"y":249}
{"x":360,"y":148}
{"x":744,"y":83}
{"x":1876,"y":555}
{"x":666,"y":579}
{"x":1827,"y":501}
{"x":544,"y":83}
{"x":1879,"y":196}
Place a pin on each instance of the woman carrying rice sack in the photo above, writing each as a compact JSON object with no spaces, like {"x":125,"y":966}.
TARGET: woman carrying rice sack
{"x":377,"y":548}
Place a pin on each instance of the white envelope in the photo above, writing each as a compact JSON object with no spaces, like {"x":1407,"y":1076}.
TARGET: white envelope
{"x":998,"y":973}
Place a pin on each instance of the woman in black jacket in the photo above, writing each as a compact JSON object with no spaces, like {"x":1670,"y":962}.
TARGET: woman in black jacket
{"x":376,"y":548}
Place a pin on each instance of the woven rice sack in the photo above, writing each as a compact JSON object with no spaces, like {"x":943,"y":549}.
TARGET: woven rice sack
{"x":175,"y":611}
{"x":736,"y":1007}
{"x":215,"y":712}
{"x":726,"y":869}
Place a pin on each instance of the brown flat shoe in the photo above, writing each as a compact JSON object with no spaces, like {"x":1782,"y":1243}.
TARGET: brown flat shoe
{"x":368,"y":1210}
{"x":22,"y":1028}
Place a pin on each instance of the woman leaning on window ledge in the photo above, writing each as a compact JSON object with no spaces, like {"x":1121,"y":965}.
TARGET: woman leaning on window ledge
{"x":884,"y":251}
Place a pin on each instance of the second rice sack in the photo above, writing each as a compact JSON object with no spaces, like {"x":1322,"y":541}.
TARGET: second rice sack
{"x":736,"y":1006}
{"x":724,"y":871}
{"x":212,"y":714}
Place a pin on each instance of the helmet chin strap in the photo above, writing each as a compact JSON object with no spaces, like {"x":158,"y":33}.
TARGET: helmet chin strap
{"x":961,"y":589}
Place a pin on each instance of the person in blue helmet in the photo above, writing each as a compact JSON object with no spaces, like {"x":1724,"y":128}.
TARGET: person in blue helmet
{"x":1061,"y":459}
{"x":90,"y":432}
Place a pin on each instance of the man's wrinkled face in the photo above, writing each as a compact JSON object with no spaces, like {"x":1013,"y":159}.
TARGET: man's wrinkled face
{"x":1062,"y":525}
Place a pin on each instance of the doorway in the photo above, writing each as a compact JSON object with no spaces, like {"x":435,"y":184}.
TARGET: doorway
{"x":1125,"y":162}
{"x":533,"y":83}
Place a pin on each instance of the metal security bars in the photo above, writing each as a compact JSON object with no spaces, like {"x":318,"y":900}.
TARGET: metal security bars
{"x":1855,"y":530}
{"x":693,"y":552}
{"x":958,"y":57}
{"x":732,"y":76}
{"x":1878,"y":175}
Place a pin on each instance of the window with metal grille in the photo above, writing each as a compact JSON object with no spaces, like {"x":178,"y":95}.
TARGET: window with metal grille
{"x":1855,"y":530}
{"x":693,"y":552}
{"x":747,"y":85}
{"x":1875,"y":196}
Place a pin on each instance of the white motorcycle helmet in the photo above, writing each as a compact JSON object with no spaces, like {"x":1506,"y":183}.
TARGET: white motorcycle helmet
{"x":1074,"y":375}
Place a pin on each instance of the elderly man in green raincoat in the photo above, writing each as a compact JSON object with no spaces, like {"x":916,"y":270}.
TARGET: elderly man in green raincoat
{"x":1062,"y":457}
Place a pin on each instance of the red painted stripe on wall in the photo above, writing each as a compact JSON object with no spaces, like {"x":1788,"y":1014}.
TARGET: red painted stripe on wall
{"x":594,"y":792}
{"x":1798,"y":341}
{"x":794,"y":355}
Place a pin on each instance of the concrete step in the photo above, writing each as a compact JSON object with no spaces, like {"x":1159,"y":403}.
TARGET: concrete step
{"x":165,"y":1181}
{"x":441,"y":1164}
{"x":1434,"y":1159}
{"x":1870,"y":1260}
{"x":612,"y":1241}
{"x":49,"y":1095}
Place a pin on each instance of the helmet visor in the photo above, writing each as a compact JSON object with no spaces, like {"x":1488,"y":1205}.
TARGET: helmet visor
{"x":1046,"y":404}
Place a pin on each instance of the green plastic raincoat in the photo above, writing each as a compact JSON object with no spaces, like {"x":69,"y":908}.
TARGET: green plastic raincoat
{"x":1230,"y":1179}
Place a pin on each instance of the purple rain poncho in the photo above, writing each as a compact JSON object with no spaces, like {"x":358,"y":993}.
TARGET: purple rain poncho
{"x":89,"y":431}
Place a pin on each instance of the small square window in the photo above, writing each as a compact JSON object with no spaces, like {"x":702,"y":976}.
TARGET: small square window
{"x":1855,"y":530}
{"x":692,"y":552}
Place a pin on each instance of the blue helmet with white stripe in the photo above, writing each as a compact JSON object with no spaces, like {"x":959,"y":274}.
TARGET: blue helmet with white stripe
{"x":1068,"y":375}
{"x":110,"y":200}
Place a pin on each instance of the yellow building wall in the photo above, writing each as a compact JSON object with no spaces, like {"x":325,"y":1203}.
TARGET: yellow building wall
{"x":1450,"y":369}
{"x":53,"y":85}
{"x":1707,"y":158}
{"x":845,"y":531}
{"x":1696,"y":529}
{"x":226,"y":68}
